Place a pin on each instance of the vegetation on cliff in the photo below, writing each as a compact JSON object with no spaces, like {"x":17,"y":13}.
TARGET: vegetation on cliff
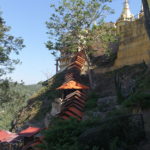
{"x":14,"y":97}
{"x":72,"y":25}
{"x":96,"y":113}
{"x":39,"y":104}
{"x":108,"y":121}
{"x":114,"y":133}
{"x":119,"y":129}
{"x":11,"y":94}
{"x":77,"y":25}
{"x":140,"y":98}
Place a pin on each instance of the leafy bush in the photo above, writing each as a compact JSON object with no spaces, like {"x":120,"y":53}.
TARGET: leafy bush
{"x":141,"y":97}
{"x":13,"y":97}
{"x":141,"y":100}
{"x":94,"y":134}
{"x":115,"y":133}
{"x":63,"y":134}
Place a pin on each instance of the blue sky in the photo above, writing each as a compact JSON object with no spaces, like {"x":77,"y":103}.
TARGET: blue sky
{"x":27,"y":19}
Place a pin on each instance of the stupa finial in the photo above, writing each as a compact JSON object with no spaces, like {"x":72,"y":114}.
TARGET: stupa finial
{"x":126,"y":13}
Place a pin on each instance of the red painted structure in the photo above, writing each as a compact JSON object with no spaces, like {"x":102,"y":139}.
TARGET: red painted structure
{"x":6,"y":136}
{"x":74,"y":99}
{"x":72,"y":85}
{"x":28,"y":137}
{"x":30,"y":131}
{"x":74,"y":96}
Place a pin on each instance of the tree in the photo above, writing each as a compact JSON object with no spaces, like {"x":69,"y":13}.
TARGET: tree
{"x":146,"y":4}
{"x":71,"y":26}
{"x":8,"y":45}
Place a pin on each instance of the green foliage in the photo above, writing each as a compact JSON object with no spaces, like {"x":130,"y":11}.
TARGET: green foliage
{"x":40,"y":103}
{"x":63,"y":134}
{"x":13,"y":97}
{"x":71,"y":28}
{"x":72,"y":24}
{"x":141,"y":97}
{"x":141,"y":100}
{"x":117,"y":132}
{"x":103,"y":35}
{"x":140,"y":86}
{"x":112,"y":134}
{"x":8,"y":45}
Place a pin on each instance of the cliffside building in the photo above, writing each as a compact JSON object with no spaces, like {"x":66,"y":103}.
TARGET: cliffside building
{"x":134,"y":43}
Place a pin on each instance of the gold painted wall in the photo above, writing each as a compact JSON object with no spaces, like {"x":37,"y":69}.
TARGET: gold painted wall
{"x":134,"y":47}
{"x":134,"y":44}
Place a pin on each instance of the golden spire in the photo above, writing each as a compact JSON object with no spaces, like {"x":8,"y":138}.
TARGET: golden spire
{"x":126,"y":13}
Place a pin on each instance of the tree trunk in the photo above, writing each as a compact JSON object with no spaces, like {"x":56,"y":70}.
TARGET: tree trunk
{"x":57,"y":65}
{"x":89,"y":71}
{"x":147,"y":15}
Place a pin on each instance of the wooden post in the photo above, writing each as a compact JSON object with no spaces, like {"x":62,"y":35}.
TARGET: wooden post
{"x":57,"y":65}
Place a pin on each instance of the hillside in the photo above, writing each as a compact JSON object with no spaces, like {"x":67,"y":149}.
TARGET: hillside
{"x":121,"y":92}
{"x":13,"y":99}
{"x":39,"y":104}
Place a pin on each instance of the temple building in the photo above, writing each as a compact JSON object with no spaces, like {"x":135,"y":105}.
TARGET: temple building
{"x":65,"y":57}
{"x":134,"y":43}
{"x":64,"y":60}
{"x":126,"y":13}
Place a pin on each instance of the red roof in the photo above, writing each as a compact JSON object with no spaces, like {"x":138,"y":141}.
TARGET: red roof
{"x":6,"y":136}
{"x":72,"y":85}
{"x":30,"y":131}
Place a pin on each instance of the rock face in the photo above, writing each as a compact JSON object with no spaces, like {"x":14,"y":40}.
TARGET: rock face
{"x":56,"y":109}
{"x":146,"y":115}
{"x":104,"y":106}
{"x":56,"y":106}
{"x":47,"y":120}
{"x":127,"y":77}
{"x":106,"y":89}
{"x":107,"y":103}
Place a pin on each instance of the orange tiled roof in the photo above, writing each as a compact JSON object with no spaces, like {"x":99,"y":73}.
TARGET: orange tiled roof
{"x":6,"y":136}
{"x":72,"y":85}
{"x":30,"y":131}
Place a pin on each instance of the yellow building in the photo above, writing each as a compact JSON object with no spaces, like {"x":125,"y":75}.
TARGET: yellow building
{"x":134,"y":46}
